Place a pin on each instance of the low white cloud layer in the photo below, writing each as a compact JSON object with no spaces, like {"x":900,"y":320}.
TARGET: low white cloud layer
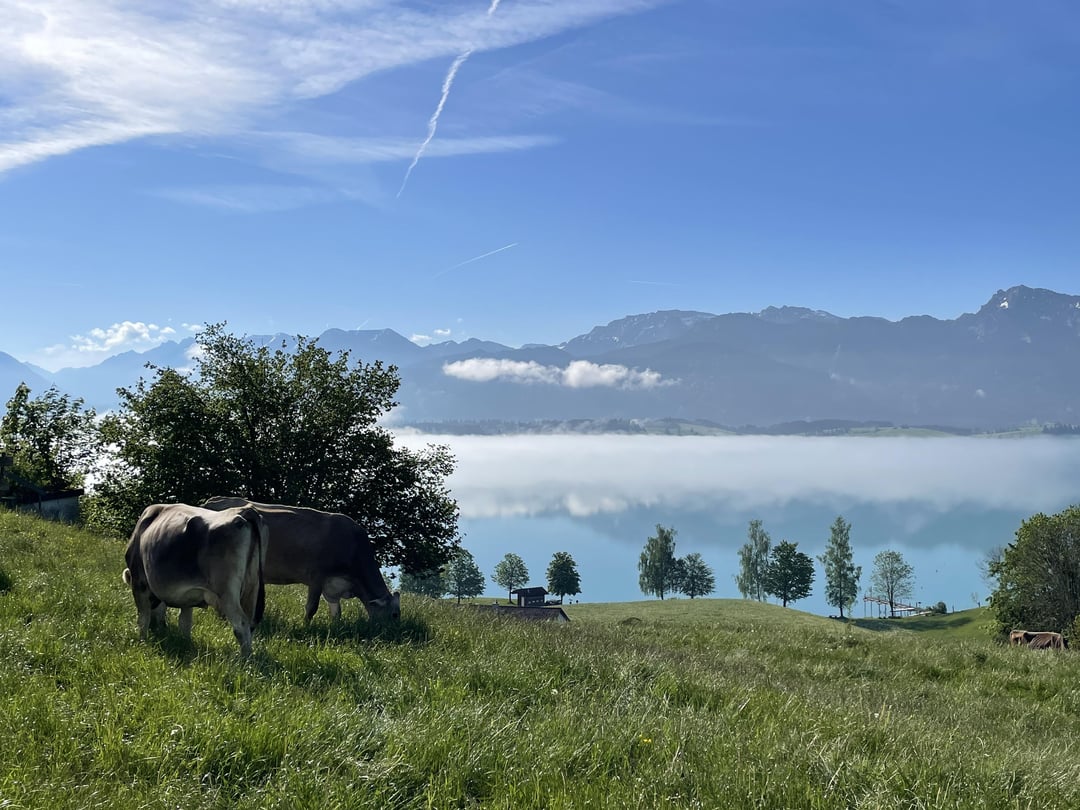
{"x":576,"y":475}
{"x":578,"y":374}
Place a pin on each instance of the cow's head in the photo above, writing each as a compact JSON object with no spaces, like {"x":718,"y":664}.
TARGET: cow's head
{"x":385,"y":608}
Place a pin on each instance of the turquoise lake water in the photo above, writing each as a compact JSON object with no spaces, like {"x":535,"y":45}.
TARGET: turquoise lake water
{"x":942,"y":502}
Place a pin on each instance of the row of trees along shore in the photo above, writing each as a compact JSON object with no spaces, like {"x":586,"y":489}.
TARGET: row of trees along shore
{"x":780,"y":571}
{"x":462,"y":578}
{"x":298,"y":424}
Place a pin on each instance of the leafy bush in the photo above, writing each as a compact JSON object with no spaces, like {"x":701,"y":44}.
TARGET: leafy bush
{"x":297,"y":425}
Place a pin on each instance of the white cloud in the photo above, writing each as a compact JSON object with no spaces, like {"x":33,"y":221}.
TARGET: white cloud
{"x":583,"y":374}
{"x":101,"y":342}
{"x":99,"y":72}
{"x":487,"y":369}
{"x":253,"y":198}
{"x":578,"y":374}
{"x":121,"y":336}
{"x":194,"y":352}
{"x":576,"y":475}
{"x":310,"y":149}
{"x":437,"y":334}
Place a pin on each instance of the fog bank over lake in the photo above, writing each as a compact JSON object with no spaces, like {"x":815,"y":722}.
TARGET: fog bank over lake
{"x":943,"y":502}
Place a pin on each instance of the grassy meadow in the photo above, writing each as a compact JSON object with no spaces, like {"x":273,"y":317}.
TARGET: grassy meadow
{"x":695,"y":704}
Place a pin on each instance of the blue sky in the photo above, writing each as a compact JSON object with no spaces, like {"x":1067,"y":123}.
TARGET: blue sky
{"x":167,"y":164}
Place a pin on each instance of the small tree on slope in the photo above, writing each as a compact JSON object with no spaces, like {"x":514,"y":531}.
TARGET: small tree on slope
{"x":790,"y":574}
{"x":510,"y":573}
{"x":841,"y":574}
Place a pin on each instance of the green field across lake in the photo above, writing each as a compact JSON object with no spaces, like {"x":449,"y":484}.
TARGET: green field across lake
{"x":683,"y":703}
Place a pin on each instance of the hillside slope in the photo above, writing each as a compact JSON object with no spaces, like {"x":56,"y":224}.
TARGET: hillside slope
{"x":748,"y":706}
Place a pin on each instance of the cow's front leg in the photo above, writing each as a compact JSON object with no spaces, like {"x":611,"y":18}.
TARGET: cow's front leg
{"x":313,"y":595}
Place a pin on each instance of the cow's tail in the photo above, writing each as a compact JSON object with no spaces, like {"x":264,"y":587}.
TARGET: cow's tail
{"x":258,"y":548}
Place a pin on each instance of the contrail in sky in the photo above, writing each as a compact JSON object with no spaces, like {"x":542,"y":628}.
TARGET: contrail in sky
{"x":433,"y":122}
{"x":476,"y":259}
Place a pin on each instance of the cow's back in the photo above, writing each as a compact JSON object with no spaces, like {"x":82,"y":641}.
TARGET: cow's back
{"x":327,"y":551}
{"x":309,"y":546}
{"x":312,"y":545}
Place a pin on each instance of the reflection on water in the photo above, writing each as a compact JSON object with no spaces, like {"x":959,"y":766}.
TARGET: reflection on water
{"x":943,"y":503}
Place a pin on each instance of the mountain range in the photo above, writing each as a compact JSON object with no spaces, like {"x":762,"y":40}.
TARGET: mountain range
{"x":1013,"y":362}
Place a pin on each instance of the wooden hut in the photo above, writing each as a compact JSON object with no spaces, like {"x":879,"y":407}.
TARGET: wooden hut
{"x":530,"y":597}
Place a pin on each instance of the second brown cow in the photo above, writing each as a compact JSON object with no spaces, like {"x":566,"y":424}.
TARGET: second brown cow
{"x":328,"y":552}
{"x":1038,"y":640}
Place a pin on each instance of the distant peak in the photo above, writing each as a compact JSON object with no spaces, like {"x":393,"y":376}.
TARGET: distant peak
{"x":1029,"y":298}
{"x":795,"y":314}
{"x":635,"y":330}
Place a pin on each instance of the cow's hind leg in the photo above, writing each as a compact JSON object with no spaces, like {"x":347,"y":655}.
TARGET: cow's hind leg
{"x":145,"y":611}
{"x":185,"y":621}
{"x":241,"y":626}
{"x":228,"y":607}
{"x":148,"y":607}
{"x":313,"y":595}
{"x":242,"y":631}
{"x":335,"y":609}
{"x":157,"y":614}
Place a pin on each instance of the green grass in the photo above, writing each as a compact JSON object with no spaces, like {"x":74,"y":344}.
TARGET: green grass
{"x":702,"y":703}
{"x":965,"y":625}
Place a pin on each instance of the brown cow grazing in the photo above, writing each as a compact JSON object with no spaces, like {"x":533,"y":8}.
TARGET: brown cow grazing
{"x":187,"y":557}
{"x":1038,"y":640}
{"x":328,"y":552}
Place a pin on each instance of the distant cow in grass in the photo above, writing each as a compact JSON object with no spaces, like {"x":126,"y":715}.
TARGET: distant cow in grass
{"x":1038,"y":640}
{"x":328,"y":552}
{"x":187,"y":557}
